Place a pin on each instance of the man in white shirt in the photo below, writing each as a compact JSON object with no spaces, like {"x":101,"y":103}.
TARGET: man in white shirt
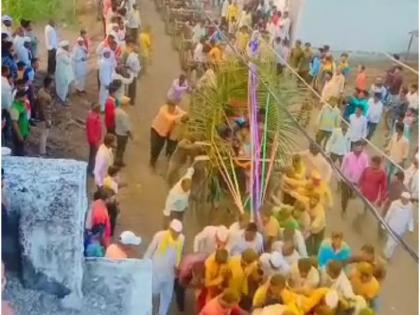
{"x":6,"y":88}
{"x":400,"y":218}
{"x":374,"y":114}
{"x":133,"y":22}
{"x":51,"y":42}
{"x":133,"y":65}
{"x":358,"y":126}
{"x":106,"y":68}
{"x":411,"y":179}
{"x":250,"y":238}
{"x":273,"y":263}
{"x":285,"y":24}
{"x":104,"y":159}
{"x":23,"y":51}
{"x":177,"y":200}
{"x":210,"y":239}
{"x":339,"y":144}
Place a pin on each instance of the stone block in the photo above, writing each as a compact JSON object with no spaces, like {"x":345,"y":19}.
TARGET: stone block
{"x":50,"y":198}
{"x":116,"y":287}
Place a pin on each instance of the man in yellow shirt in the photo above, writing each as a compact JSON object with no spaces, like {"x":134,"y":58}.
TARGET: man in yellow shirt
{"x":145,"y":42}
{"x":217,"y":273}
{"x":215,"y":54}
{"x":242,"y":39}
{"x":241,"y":267}
{"x":271,"y":227}
{"x":364,"y":283}
{"x":233,"y":12}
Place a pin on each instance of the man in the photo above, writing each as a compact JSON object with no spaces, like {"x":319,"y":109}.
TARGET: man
{"x":123,"y":131}
{"x":304,"y":63}
{"x":412,"y":178}
{"x":373,"y":182}
{"x":104,"y":159}
{"x":23,"y":51}
{"x":250,"y":238}
{"x":6,"y":27}
{"x":241,"y":267}
{"x":6,"y":103}
{"x":378,"y":87}
{"x":178,"y":89}
{"x":133,"y":22}
{"x":400,"y":218}
{"x":285,"y":24}
{"x":80,"y":66}
{"x":270,"y":292}
{"x":358,"y":126}
{"x":354,"y":164}
{"x":334,"y":249}
{"x":270,"y":227}
{"x":177,"y":201}
{"x":210,"y":239}
{"x":110,"y":106}
{"x":107,"y":66}
{"x":295,"y":236}
{"x":133,"y":66}
{"x":397,"y":149}
{"x":64,"y":75}
{"x":394,"y":83}
{"x":273,"y":263}
{"x":45,"y":103}
{"x":217,"y":275}
{"x":314,"y":160}
{"x":51,"y":43}
{"x":225,"y":303}
{"x":125,"y":248}
{"x":296,"y":54}
{"x":328,"y":120}
{"x":165,"y":251}
{"x":198,"y":32}
{"x":364,"y":283}
{"x":304,"y":277}
{"x":338,"y":145}
{"x":374,"y":115}
{"x":161,"y":128}
{"x":94,"y":134}
{"x":334,"y":86}
{"x":20,"y":123}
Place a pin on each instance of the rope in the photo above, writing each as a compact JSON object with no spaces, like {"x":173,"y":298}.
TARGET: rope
{"x":402,"y":64}
{"x":369,"y":205}
{"x":377,"y":149}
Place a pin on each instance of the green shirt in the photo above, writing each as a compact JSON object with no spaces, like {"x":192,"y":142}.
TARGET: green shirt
{"x":19,"y":113}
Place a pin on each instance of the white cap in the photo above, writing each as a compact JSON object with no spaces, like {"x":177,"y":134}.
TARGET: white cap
{"x":222,"y":233}
{"x":63,"y":43}
{"x":406,"y":195}
{"x":331,"y":299}
{"x":129,"y":238}
{"x":6,"y":18}
{"x":176,"y":225}
{"x":276,"y":259}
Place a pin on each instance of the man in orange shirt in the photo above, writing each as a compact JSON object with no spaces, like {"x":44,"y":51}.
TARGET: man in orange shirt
{"x":162,"y":125}
{"x":125,"y":248}
{"x":361,"y":78}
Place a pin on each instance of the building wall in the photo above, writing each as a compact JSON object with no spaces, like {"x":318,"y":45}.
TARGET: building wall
{"x":357,"y":25}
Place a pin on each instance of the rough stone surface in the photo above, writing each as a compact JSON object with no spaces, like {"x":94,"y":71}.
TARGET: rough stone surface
{"x":50,"y":197}
{"x":119,"y":287}
{"x":109,"y":288}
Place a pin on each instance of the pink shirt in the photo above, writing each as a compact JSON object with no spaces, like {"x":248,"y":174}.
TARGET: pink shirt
{"x":213,"y":307}
{"x":187,"y":264}
{"x":353,"y":166}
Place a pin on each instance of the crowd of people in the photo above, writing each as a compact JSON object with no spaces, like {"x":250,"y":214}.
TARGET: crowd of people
{"x":280,"y":264}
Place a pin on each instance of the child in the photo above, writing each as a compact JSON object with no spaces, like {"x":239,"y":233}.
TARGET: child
{"x":409,"y":118}
{"x":361,"y":78}
{"x":93,"y":246}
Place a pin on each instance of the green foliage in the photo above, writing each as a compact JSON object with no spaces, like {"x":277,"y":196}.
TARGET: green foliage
{"x":39,"y":10}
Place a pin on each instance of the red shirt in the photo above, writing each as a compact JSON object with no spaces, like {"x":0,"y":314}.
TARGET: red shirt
{"x":110,"y":106}
{"x":94,"y":128}
{"x":100,"y":216}
{"x":373,"y":184}
{"x":213,"y":307}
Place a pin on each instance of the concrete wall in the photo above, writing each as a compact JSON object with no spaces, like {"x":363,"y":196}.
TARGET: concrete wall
{"x":357,"y":25}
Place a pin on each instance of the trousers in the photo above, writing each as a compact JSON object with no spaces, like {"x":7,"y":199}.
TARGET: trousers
{"x":103,"y":95}
{"x":162,"y":296}
{"x":45,"y":131}
{"x":92,"y":156}
{"x":390,"y":247}
{"x":156,"y":145}
{"x":51,"y":61}
{"x":121,"y":145}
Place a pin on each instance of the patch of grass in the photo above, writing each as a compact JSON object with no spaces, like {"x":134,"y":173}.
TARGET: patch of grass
{"x":40,"y":10}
